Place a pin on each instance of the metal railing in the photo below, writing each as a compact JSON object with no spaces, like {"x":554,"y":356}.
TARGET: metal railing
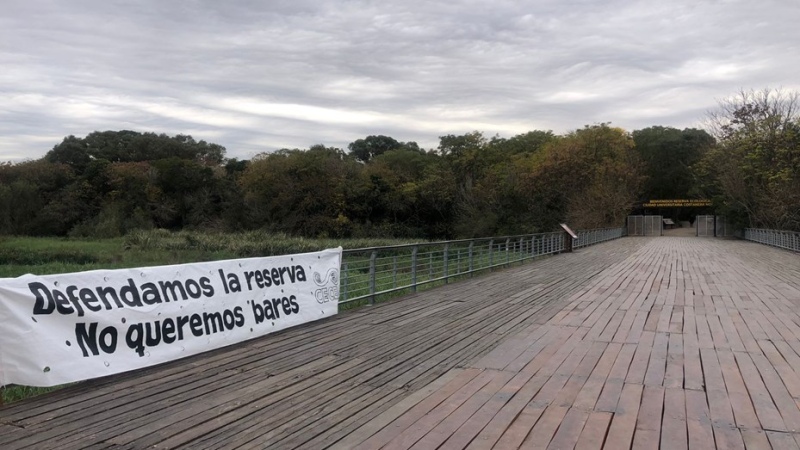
{"x":645,"y":225}
{"x":789,"y":240}
{"x":370,"y":272}
{"x":591,"y":237}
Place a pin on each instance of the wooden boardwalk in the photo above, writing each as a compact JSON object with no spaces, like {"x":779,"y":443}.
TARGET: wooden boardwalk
{"x":637,"y":343}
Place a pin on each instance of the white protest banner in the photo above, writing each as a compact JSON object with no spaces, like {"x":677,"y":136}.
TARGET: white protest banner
{"x":58,"y":329}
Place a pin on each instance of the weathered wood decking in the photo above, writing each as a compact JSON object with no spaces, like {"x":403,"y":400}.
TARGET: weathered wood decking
{"x":640,"y":342}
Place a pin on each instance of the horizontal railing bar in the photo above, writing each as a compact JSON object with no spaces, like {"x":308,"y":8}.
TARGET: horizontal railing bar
{"x":419,"y":244}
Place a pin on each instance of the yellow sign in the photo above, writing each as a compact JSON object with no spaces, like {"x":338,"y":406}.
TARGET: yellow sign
{"x":676,"y":203}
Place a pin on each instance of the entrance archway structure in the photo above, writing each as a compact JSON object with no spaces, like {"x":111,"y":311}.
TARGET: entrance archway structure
{"x":678,"y":215}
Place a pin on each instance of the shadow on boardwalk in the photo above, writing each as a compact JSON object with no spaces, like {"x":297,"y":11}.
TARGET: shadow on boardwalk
{"x":642,"y":342}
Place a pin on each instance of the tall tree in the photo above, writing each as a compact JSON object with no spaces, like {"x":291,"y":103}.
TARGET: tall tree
{"x":754,"y":172}
{"x":530,"y":142}
{"x":300,"y":192}
{"x":372,"y":146}
{"x":590,"y":177}
{"x":668,"y":155}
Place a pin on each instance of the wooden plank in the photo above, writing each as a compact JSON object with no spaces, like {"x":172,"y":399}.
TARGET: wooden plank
{"x":768,"y":414}
{"x":9,"y":433}
{"x":673,"y":424}
{"x":641,"y":359}
{"x":746,"y":336}
{"x":704,"y":338}
{"x":692,"y":366}
{"x":169,"y":426}
{"x":673,"y":377}
{"x":613,"y":327}
{"x":511,"y":349}
{"x":593,"y":436}
{"x":569,"y":430}
{"x":623,"y":425}
{"x":717,"y":333}
{"x":664,"y":319}
{"x":509,"y":413}
{"x":731,"y":333}
{"x":554,"y":414}
{"x":334,"y":427}
{"x":726,"y":395}
{"x":418,"y":410}
{"x":652,"y":319}
{"x":637,"y":327}
{"x":590,"y":392}
{"x":441,"y":432}
{"x":782,"y":440}
{"x":656,"y":367}
{"x":422,"y":425}
{"x":781,"y":397}
{"x":648,"y":423}
{"x":616,"y":378}
{"x":788,"y":377}
{"x":525,"y":421}
{"x":517,"y":388}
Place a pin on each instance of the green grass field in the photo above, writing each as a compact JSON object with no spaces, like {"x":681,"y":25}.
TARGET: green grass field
{"x":42,"y":256}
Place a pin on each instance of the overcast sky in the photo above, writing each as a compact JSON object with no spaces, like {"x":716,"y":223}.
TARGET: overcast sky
{"x":257,"y":76}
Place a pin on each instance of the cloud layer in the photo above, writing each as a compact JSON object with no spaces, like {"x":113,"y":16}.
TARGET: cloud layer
{"x":258,"y":76}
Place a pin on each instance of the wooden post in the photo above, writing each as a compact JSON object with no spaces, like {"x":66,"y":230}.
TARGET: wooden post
{"x":567,"y":243}
{"x":569,"y":235}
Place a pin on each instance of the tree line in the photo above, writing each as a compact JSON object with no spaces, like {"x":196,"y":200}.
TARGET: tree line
{"x":109,"y":183}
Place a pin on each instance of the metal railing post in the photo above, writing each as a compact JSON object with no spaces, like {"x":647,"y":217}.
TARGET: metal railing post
{"x":508,"y":255}
{"x":491,"y":253}
{"x":394,"y":271}
{"x":372,"y":259}
{"x":345,"y":278}
{"x":471,"y":262}
{"x":446,"y":250}
{"x":414,"y":269}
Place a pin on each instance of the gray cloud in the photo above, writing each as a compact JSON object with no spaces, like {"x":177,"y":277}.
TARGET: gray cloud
{"x":257,"y":76}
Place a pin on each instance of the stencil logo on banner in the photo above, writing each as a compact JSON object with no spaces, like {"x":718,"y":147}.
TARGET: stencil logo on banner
{"x":328,"y":286}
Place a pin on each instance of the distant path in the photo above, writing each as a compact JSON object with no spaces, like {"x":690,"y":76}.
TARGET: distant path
{"x":681,"y":232}
{"x":638,"y":342}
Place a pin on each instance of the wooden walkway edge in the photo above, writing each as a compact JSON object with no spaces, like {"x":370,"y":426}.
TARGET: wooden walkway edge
{"x":637,"y":343}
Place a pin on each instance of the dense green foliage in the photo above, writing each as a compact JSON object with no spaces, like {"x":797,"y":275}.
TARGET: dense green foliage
{"x":753,"y":173}
{"x":110,"y":183}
